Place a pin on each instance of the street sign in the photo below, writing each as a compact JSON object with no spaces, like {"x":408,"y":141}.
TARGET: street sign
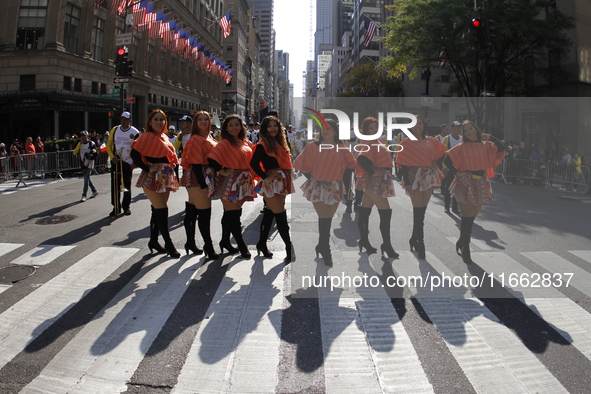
{"x":123,"y":39}
{"x":121,"y":80}
{"x":130,"y":100}
{"x":113,"y":93}
{"x":426,"y":100}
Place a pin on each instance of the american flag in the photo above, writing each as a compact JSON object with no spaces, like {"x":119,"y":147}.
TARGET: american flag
{"x":370,"y":30}
{"x":226,"y":24}
{"x":442,"y":60}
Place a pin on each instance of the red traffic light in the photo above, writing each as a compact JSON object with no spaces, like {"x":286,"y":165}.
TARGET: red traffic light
{"x":121,"y":51}
{"x":475,"y":22}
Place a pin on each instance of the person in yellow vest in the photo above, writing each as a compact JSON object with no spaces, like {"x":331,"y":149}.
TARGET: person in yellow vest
{"x":119,"y":148}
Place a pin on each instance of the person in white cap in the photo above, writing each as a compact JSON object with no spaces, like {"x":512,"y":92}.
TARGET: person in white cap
{"x":88,"y":153}
{"x":119,"y":148}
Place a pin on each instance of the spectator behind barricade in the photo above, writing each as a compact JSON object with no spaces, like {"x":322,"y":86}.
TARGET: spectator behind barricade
{"x":30,"y":152}
{"x":578,"y":177}
{"x":3,"y":158}
{"x":563,"y":166}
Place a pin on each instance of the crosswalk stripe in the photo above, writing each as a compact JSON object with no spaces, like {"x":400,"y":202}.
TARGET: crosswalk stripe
{"x":106,"y":352}
{"x":581,"y":279}
{"x":29,"y":317}
{"x":582,"y":254}
{"x":42,"y":255}
{"x":568,"y":319}
{"x":493,"y":359}
{"x":236,"y":348}
{"x":366,"y":347}
{"x":7,"y":248}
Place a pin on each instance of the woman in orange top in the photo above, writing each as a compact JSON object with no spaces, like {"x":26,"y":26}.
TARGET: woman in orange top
{"x":374,"y":177}
{"x":325,"y":167}
{"x":271,"y":161}
{"x":199,"y":178}
{"x":471,"y":163}
{"x":231,"y":159}
{"x":155,"y":155}
{"x":420,"y":175}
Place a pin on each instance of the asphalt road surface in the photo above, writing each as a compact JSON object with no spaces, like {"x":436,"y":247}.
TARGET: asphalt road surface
{"x":100,"y":314}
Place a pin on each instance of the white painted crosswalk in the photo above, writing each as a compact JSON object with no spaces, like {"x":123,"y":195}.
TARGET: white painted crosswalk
{"x":367,"y":345}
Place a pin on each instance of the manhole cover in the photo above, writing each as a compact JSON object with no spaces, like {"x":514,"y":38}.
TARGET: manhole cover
{"x":56,"y":219}
{"x":15,"y":273}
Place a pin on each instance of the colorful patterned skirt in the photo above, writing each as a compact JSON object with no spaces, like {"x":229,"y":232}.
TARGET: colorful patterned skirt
{"x":383,"y":186}
{"x":160,"y":181}
{"x":190,"y":180}
{"x":237,"y":188}
{"x":281,"y":186}
{"x":424,"y":178}
{"x":329,"y":193}
{"x":471,"y":189}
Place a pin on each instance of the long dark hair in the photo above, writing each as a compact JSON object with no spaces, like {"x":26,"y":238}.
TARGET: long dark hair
{"x":333,"y":125}
{"x":195,"y":128}
{"x":366,"y":122}
{"x":478,"y":131}
{"x":227,"y":136}
{"x":273,"y":142}
{"x":424,"y":133}
{"x":151,"y":116}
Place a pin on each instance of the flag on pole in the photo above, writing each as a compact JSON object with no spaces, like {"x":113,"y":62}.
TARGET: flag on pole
{"x":442,"y":60}
{"x":370,"y":30}
{"x":226,"y":24}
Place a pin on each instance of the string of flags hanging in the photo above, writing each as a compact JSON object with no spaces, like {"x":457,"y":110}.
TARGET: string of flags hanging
{"x":145,"y":19}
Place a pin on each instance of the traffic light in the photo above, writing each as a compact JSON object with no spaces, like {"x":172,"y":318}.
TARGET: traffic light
{"x":111,"y":113}
{"x":478,"y":31}
{"x":121,"y":61}
{"x":128,"y":68}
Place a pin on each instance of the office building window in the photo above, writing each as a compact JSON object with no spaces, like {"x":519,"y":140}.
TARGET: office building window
{"x":95,"y":88}
{"x":27,"y":82}
{"x":31,"y":24}
{"x":71,"y":25}
{"x":77,"y":85}
{"x":67,"y":83}
{"x":96,"y":48}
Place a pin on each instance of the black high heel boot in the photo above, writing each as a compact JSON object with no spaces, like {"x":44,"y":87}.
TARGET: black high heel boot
{"x":416,"y":242}
{"x":463,"y":243}
{"x":204,"y":223}
{"x":265,"y":228}
{"x":189,"y":222}
{"x":162,"y":218}
{"x":323,"y":247}
{"x":283,"y":229}
{"x":153,"y":243}
{"x":386,"y":247}
{"x":225,"y":241}
{"x":363,"y":214}
{"x":236,"y":230}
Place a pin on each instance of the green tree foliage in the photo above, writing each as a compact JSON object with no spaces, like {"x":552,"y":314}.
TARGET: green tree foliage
{"x":531,"y":35}
{"x":367,"y":80}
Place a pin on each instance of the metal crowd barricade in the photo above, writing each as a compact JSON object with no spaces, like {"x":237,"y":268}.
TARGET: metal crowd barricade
{"x":569,"y":177}
{"x":524,"y":170}
{"x":27,"y":166}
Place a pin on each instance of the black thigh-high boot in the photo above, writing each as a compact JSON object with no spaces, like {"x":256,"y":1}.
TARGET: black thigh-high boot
{"x":363,"y":214}
{"x":162,"y":218}
{"x":153,"y":243}
{"x":385,"y":218}
{"x":204,"y":223}
{"x":225,"y":241}
{"x":265,"y":229}
{"x":323,"y":247}
{"x":190,"y":222}
{"x":358,"y":198}
{"x":463,"y":244}
{"x":417,"y":242}
{"x":283,"y":228}
{"x":236,"y":230}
